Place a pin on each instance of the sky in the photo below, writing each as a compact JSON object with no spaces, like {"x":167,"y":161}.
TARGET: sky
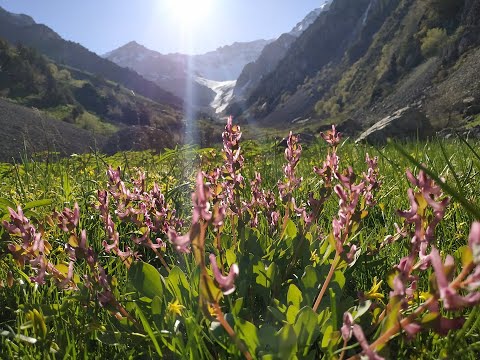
{"x":167,"y":26}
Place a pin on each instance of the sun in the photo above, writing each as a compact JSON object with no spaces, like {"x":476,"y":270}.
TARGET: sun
{"x":189,"y":13}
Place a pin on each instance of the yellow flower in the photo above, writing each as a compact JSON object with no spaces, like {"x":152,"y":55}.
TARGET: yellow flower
{"x":373,"y":293}
{"x":212,"y":311}
{"x":175,"y":308}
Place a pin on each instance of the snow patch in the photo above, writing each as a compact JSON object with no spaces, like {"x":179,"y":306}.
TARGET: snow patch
{"x":223,"y":92}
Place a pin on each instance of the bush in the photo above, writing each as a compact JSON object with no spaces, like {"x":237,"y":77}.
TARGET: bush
{"x":433,"y":42}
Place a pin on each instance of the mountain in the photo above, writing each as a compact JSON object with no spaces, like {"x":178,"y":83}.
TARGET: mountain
{"x":172,"y":71}
{"x":66,"y":99}
{"x":363,"y":59}
{"x":271,"y":55}
{"x":23,"y":29}
{"x":167,"y":71}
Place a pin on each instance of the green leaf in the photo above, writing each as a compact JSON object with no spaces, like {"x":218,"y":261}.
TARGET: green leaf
{"x":339,"y":278}
{"x":247,"y":332}
{"x":467,"y":255}
{"x":156,"y":305}
{"x":291,"y":229}
{"x":292,"y":312}
{"x":294,"y":296}
{"x":146,"y":279}
{"x":362,"y":309}
{"x":287,"y":342}
{"x":178,"y":284}
{"x":5,"y":204}
{"x":327,"y":337}
{"x":310,"y":278}
{"x":237,"y":306}
{"x":37,"y":203}
{"x":231,"y":257}
{"x":208,"y":290}
{"x":306,"y":329}
{"x":149,"y":330}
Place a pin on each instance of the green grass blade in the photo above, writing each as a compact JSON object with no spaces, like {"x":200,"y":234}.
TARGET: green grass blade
{"x":149,"y":330}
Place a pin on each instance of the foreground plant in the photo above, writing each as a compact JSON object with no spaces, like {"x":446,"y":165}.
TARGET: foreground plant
{"x":266,"y":268}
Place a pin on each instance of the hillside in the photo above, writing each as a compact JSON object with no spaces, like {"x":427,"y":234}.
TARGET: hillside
{"x":28,"y":130}
{"x":271,"y":55}
{"x":23,"y":29}
{"x":363,"y":59}
{"x":86,"y":102}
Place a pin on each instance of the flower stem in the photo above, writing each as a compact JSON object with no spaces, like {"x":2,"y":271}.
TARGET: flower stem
{"x":231,"y":332}
{"x":327,"y":281}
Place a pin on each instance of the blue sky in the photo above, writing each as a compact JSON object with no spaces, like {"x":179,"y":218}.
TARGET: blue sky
{"x":103,"y":25}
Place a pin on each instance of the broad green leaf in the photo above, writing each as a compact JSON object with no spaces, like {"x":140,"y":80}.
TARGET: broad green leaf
{"x":231,"y":257}
{"x":466,"y":255}
{"x":237,"y":306}
{"x":146,"y":279}
{"x":156,"y":305}
{"x":292,"y":312}
{"x":178,"y":284}
{"x":327,"y":337}
{"x":362,"y":309}
{"x":247,"y":332}
{"x":306,"y":329}
{"x":339,"y":278}
{"x":294,"y":296}
{"x":310,"y":277}
{"x":208,"y":290}
{"x":291,"y":229}
{"x":37,"y":203}
{"x":287,"y":342}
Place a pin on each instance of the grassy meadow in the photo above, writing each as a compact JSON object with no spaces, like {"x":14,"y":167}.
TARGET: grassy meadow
{"x":117,"y":279}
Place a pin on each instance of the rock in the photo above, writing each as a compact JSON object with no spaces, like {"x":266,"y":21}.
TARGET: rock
{"x":349,"y":127}
{"x":406,"y":123}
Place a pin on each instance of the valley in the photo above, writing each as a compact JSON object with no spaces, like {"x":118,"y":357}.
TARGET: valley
{"x":242,"y":180}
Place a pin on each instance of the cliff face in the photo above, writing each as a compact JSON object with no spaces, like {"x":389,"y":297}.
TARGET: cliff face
{"x":363,"y":59}
{"x":254,"y":72}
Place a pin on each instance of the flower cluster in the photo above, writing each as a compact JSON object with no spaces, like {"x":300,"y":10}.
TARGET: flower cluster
{"x":292,"y":155}
{"x":33,"y":248}
{"x":231,"y":170}
{"x":427,"y":208}
{"x":261,"y":201}
{"x":148,"y":210}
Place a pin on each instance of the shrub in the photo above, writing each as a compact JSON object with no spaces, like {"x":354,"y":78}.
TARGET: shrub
{"x":433,"y":42}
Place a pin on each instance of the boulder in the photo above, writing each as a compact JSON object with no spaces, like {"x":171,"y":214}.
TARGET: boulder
{"x":406,"y":123}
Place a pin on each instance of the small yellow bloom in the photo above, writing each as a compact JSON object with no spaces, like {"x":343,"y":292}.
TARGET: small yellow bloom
{"x":314,"y":257}
{"x":373,"y":293}
{"x":175,"y":308}
{"x":212,"y":311}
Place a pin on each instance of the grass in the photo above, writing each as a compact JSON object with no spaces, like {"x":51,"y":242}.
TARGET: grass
{"x":70,"y":324}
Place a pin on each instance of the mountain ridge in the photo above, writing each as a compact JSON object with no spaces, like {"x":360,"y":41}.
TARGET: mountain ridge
{"x":364,"y":59}
{"x":49,"y":43}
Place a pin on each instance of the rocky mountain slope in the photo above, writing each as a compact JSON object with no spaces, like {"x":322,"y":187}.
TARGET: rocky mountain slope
{"x":364,"y":59}
{"x":81,"y":109}
{"x":174,"y":71}
{"x":271,"y":55}
{"x":23,"y":29}
{"x":23,"y":129}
